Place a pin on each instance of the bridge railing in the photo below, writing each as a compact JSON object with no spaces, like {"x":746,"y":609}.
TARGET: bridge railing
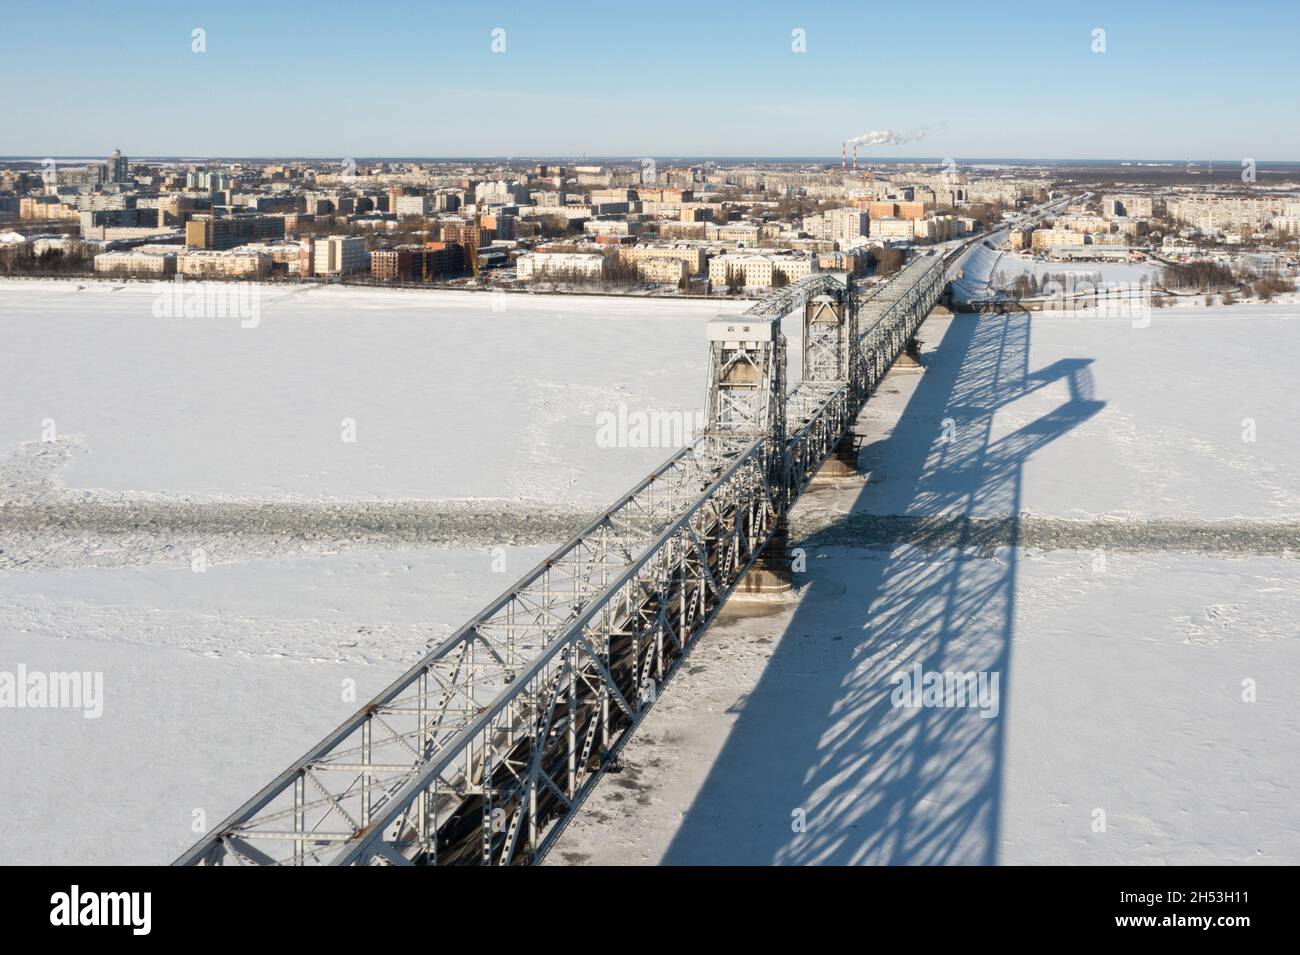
{"x":339,"y":786}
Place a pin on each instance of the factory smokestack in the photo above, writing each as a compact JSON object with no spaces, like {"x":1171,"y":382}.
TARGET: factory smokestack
{"x":844,"y":156}
{"x":855,"y":157}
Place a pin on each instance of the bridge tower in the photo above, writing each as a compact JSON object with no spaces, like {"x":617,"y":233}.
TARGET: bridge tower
{"x":831,"y":357}
{"x":830,"y":335}
{"x":747,"y":401}
{"x":746,"y":379}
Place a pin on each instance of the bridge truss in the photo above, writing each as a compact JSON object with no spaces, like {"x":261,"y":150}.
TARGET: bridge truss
{"x":484,"y":749}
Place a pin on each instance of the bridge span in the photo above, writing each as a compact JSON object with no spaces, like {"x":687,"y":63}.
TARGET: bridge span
{"x":483,"y":750}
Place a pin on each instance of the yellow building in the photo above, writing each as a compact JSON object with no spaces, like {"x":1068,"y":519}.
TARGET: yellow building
{"x":228,"y":264}
{"x":695,"y":258}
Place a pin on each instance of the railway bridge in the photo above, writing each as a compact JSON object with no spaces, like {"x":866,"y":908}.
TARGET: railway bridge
{"x":485,"y":748}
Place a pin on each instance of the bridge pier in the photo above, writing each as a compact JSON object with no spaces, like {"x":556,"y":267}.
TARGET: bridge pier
{"x":910,"y":359}
{"x":771,"y":577}
{"x":842,"y":465}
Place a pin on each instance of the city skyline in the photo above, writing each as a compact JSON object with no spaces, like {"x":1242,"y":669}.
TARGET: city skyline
{"x":1032,"y":83}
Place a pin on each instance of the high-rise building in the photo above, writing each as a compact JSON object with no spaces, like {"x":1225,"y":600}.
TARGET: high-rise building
{"x":117,"y":167}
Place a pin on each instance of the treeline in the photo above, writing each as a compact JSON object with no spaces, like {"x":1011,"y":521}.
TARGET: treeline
{"x":1201,"y":276}
{"x":16,"y":260}
{"x":885,"y":260}
{"x":618,"y":274}
{"x":1030,"y":285}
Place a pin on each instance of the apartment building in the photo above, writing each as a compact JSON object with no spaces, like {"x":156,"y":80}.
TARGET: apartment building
{"x":663,"y":270}
{"x":664,"y":195}
{"x":1083,"y":223}
{"x":1140,"y":207}
{"x":1214,"y":214}
{"x":695,"y":258}
{"x":206,"y":231}
{"x":501,"y":225}
{"x":224,"y":264}
{"x":340,"y":255}
{"x":613,"y":195}
{"x":92,"y":220}
{"x":444,"y":258}
{"x":893,"y":227}
{"x":134,"y":263}
{"x":854,"y":263}
{"x":758,"y":269}
{"x":400,"y":264}
{"x":205,"y":181}
{"x":935,"y":229}
{"x":500,"y":193}
{"x":409,"y":205}
{"x":286,"y":257}
{"x":536,"y":265}
{"x":845,"y":226}
{"x":1045,"y":239}
{"x":45,"y":208}
{"x":741,"y":233}
{"x":611,"y":227}
{"x":888,"y":209}
{"x":685,"y":230}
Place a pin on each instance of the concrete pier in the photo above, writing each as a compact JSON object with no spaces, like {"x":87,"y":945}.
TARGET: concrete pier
{"x":771,"y":577}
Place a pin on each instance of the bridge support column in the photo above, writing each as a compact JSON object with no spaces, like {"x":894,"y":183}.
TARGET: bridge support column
{"x":771,"y":576}
{"x":910,"y":359}
{"x":841,"y":466}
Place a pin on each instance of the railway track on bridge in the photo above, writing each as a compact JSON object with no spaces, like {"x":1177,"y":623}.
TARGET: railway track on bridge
{"x":484,"y":749}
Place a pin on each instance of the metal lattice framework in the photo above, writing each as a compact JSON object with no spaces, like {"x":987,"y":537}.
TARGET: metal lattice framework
{"x":482,"y":751}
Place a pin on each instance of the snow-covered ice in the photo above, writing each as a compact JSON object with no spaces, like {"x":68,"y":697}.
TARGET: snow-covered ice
{"x":1122,"y":672}
{"x":453,"y":394}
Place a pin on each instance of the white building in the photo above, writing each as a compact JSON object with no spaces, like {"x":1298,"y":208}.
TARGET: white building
{"x":500,"y":192}
{"x":848,"y":227}
{"x":340,"y":255}
{"x":135,"y":262}
{"x":893,"y":227}
{"x":611,"y":227}
{"x":412,"y":206}
{"x":586,"y":265}
{"x":757,"y":269}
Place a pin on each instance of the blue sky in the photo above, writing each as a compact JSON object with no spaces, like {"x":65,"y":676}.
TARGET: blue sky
{"x":1191,"y":80}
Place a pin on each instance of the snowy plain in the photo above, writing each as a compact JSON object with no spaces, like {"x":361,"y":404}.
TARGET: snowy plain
{"x":1147,"y":706}
{"x":1122,"y":685}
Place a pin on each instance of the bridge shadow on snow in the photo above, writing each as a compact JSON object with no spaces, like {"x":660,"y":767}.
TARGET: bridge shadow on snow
{"x":819,"y":736}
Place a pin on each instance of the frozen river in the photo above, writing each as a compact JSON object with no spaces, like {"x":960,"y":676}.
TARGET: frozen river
{"x":196,"y":527}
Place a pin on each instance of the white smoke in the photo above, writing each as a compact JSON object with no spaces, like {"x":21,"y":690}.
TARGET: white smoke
{"x":890,"y":137}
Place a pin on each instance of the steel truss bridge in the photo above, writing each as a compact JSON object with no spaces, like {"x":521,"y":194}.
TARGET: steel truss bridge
{"x":485,"y":748}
